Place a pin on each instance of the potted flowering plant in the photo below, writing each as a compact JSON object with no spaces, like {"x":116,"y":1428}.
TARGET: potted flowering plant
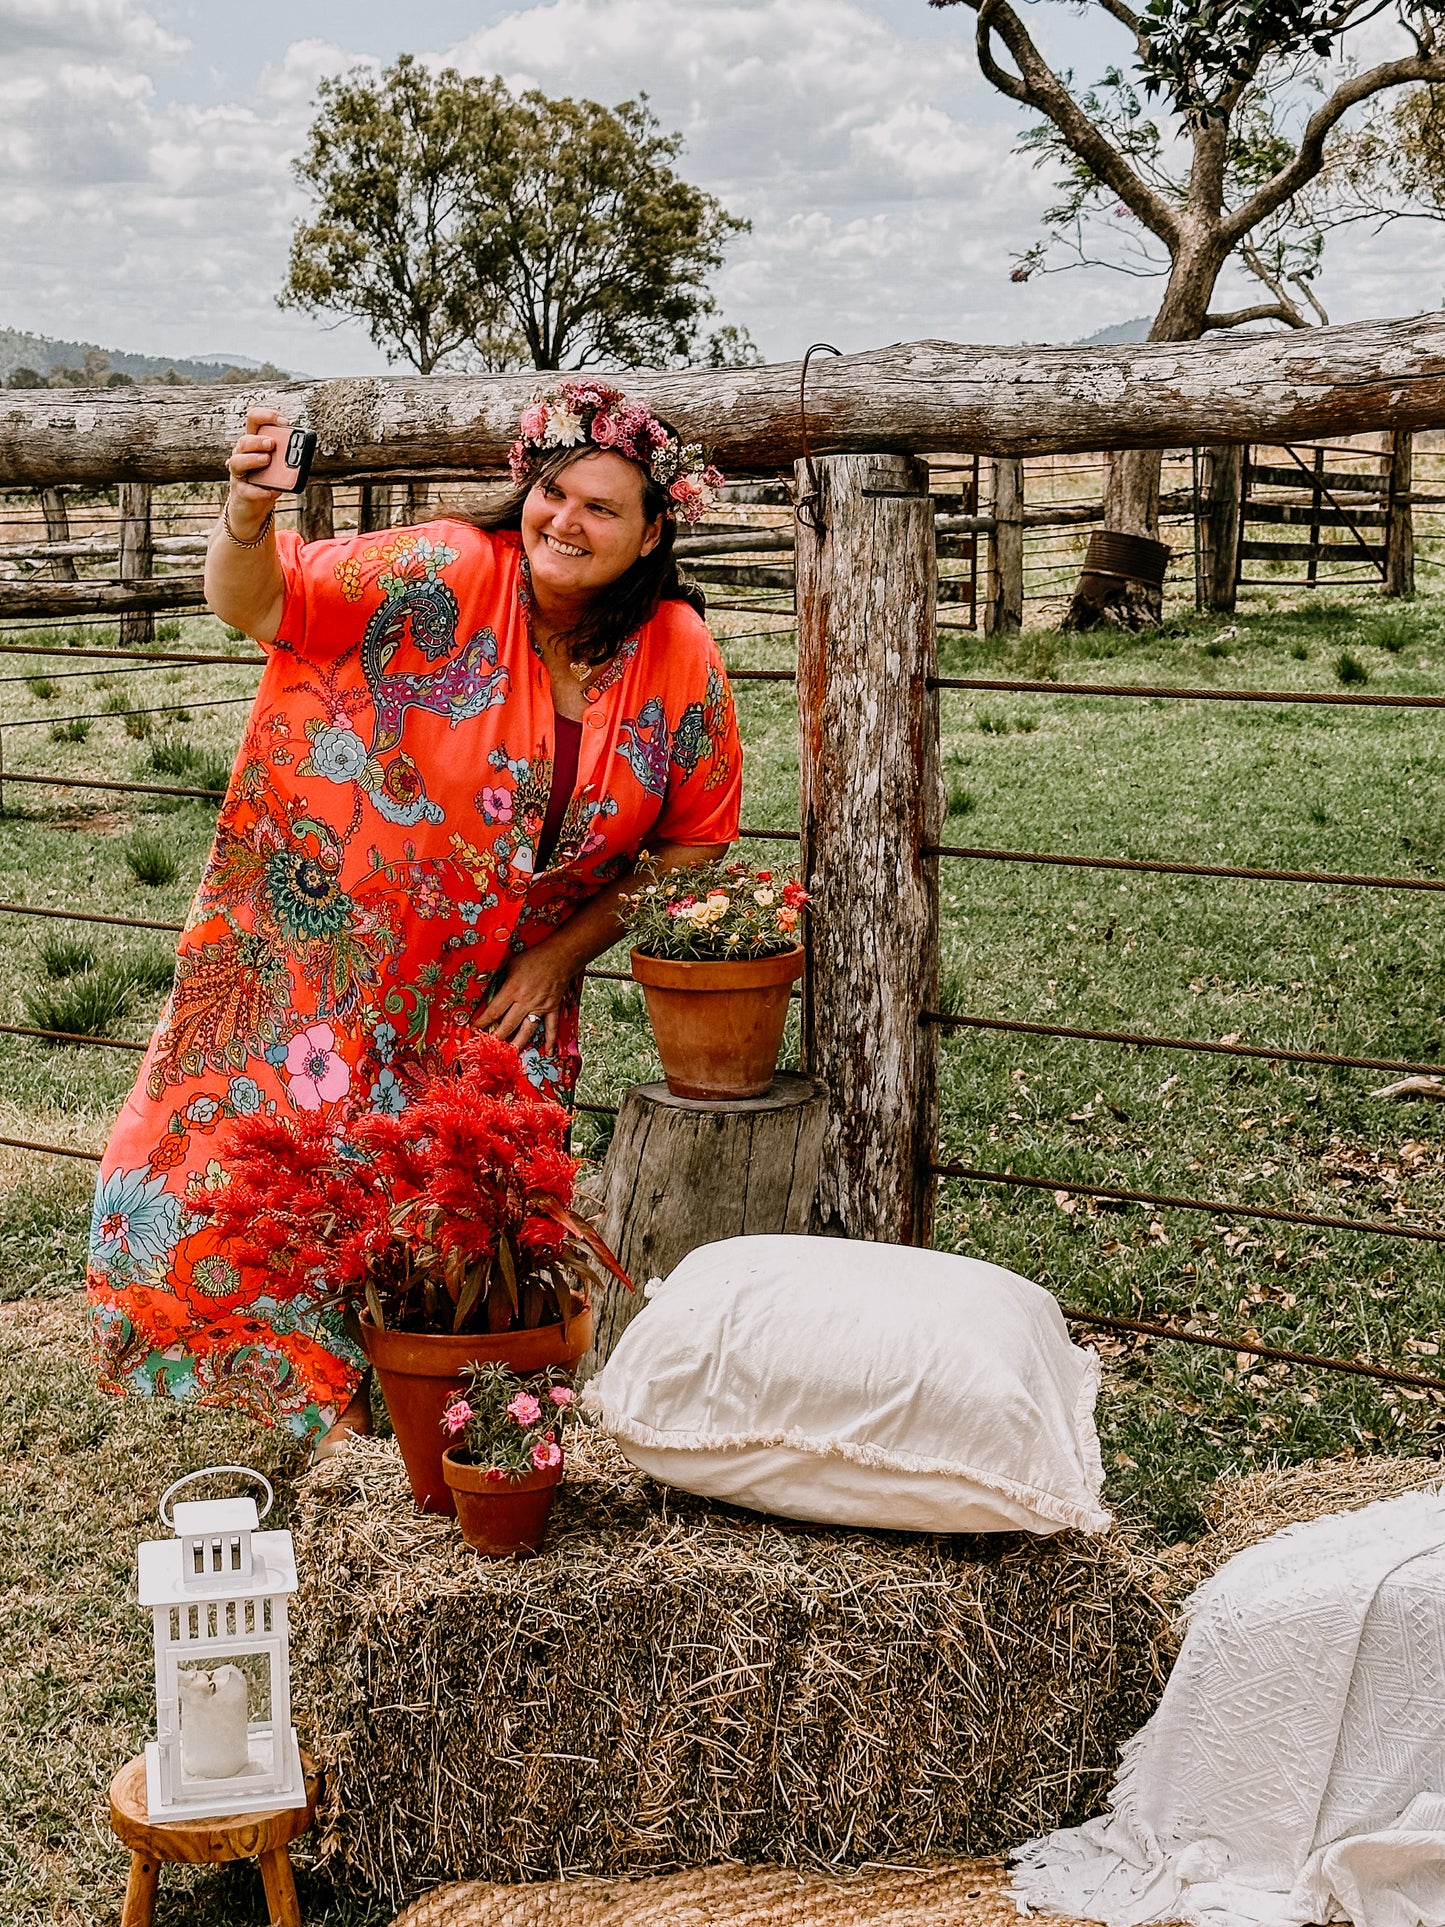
{"x":445,"y":1234}
{"x":717,"y":949}
{"x":504,"y":1459}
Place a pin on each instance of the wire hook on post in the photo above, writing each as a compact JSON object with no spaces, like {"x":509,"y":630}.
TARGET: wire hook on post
{"x":808,"y":505}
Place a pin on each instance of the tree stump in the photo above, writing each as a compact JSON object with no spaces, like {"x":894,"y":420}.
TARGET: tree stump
{"x":682,"y":1173}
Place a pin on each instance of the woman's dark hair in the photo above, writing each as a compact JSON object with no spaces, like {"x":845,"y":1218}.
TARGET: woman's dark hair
{"x":624,"y":605}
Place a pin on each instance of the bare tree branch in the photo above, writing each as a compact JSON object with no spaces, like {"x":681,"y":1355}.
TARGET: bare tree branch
{"x":1036,"y":85}
{"x":1264,"y":311}
{"x":1309,"y":155}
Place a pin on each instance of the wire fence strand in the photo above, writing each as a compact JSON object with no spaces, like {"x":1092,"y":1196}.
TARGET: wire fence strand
{"x":1165,"y":1201}
{"x":1342,"y":880}
{"x":1256,"y":1348}
{"x":954,"y":1020}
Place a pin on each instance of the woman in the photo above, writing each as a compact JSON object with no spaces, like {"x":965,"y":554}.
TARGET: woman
{"x":464,"y":735}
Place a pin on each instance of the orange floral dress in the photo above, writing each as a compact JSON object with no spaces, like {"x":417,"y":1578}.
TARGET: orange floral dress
{"x":374,"y":870}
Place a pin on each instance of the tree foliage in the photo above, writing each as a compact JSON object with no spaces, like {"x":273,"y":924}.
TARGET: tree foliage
{"x":456,"y":220}
{"x":1198,"y":52}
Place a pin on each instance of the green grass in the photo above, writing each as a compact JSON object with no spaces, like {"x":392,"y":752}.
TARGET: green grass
{"x":151,"y":858}
{"x":75,"y":729}
{"x":89,"y":1004}
{"x":190,"y":764}
{"x":65,"y":955}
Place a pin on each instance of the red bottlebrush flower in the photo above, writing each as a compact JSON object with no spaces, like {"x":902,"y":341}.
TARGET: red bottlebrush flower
{"x":416,"y":1219}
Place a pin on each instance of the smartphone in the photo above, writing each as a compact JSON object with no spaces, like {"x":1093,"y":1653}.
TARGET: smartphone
{"x":290,"y":463}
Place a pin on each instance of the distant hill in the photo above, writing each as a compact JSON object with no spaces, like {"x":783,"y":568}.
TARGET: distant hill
{"x":1135,"y":330}
{"x":44,"y":353}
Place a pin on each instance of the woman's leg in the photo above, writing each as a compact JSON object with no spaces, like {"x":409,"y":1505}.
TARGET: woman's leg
{"x":353,"y":1421}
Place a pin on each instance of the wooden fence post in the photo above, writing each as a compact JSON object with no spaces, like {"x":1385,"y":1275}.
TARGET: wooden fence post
{"x":1222,"y":510}
{"x":871,"y":800}
{"x":136,"y":558}
{"x":57,"y":529}
{"x":375,"y":508}
{"x":1004,"y":614}
{"x":1400,"y":527}
{"x":318,"y":512}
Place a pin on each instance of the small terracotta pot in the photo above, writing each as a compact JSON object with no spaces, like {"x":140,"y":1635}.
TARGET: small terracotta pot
{"x":419,"y":1371}
{"x":501,"y":1520}
{"x":718,"y":1026}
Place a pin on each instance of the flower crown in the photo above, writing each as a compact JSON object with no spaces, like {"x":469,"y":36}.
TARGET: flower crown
{"x":591,"y":411}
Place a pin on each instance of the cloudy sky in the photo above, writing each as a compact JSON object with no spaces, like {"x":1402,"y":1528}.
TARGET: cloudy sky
{"x":146,"y":199}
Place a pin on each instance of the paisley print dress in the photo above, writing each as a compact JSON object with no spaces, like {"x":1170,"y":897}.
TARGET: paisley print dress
{"x":373,"y":871}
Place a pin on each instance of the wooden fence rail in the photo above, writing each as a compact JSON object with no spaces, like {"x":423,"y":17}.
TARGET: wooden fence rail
{"x":921,"y":398}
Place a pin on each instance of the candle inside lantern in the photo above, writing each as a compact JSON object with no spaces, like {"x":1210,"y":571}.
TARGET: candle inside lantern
{"x":214,"y":1716}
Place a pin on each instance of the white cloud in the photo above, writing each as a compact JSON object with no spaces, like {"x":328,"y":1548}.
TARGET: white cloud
{"x":147,"y":207}
{"x":98,"y":29}
{"x":873,"y":165}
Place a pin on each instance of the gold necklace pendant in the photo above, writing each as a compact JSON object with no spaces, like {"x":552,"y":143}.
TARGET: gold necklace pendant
{"x":582,"y":671}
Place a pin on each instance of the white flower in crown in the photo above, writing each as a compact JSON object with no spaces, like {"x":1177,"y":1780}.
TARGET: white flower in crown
{"x":564,"y":429}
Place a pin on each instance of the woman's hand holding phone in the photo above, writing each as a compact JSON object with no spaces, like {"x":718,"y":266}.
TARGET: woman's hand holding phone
{"x":250,"y":503}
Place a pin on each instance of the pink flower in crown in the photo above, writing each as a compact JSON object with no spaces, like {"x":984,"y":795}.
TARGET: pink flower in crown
{"x":525,"y":1409}
{"x":315,"y":1072}
{"x":606,"y":430}
{"x":657,"y":434}
{"x":688,"y":500}
{"x":455,"y":1417}
{"x":519,"y":461}
{"x":545,"y":1454}
{"x":589,"y":394}
{"x":532,"y":422}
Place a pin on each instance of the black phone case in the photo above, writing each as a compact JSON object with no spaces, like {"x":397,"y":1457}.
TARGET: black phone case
{"x":303,"y":467}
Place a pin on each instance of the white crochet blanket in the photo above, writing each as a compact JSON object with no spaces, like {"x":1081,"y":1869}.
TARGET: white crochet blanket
{"x":1295,"y":1769}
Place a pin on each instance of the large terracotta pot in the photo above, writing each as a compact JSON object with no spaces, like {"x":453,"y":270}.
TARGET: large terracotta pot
{"x":419,"y":1371}
{"x":719,"y":1026}
{"x":501,"y":1520}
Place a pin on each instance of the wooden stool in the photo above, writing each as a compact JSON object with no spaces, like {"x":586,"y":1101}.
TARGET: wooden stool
{"x":239,"y":1836}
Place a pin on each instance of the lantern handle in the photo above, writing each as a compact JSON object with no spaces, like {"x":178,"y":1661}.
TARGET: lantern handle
{"x":206,"y":1472}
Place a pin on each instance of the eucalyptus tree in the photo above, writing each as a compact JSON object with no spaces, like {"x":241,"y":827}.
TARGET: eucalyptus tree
{"x":1213,"y":148}
{"x":462,"y":224}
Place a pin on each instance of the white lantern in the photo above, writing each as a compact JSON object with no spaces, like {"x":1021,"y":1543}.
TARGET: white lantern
{"x":218,"y":1592}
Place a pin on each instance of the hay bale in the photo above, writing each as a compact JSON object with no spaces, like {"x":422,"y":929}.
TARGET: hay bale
{"x":1243,"y":1508}
{"x":675,"y":1683}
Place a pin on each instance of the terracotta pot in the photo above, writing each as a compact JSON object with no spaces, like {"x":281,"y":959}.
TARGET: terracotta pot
{"x":501,"y":1520}
{"x":719,"y":1026}
{"x":419,"y":1371}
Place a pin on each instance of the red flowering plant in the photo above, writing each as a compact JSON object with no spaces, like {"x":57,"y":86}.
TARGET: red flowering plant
{"x":453,"y":1217}
{"x":508,"y":1426}
{"x":714,"y":911}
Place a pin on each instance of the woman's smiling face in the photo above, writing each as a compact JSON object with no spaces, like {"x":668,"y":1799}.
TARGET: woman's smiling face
{"x":586,"y":527}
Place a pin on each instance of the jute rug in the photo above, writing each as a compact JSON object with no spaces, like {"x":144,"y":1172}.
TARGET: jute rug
{"x":961,"y":1893}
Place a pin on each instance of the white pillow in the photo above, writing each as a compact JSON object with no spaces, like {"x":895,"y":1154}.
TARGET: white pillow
{"x":859,"y":1384}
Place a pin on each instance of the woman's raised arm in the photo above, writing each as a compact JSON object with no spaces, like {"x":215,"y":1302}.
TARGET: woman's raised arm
{"x":244,"y":584}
